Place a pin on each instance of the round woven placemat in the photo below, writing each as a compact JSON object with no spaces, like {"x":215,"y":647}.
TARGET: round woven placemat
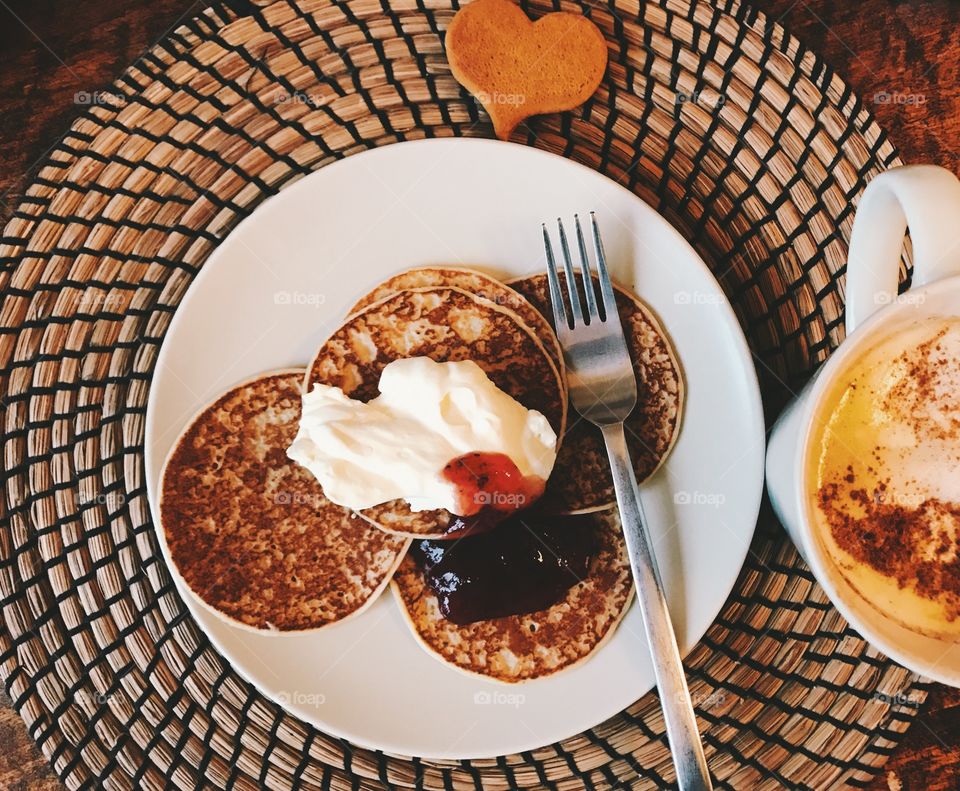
{"x":714,"y":115}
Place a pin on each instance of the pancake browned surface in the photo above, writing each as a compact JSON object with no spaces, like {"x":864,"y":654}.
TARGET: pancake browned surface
{"x":442,"y":324}
{"x":250,"y":531}
{"x":476,"y":282}
{"x":581,"y":479}
{"x":524,"y":647}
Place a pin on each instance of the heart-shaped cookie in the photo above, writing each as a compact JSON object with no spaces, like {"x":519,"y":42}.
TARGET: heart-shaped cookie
{"x":517,"y":68}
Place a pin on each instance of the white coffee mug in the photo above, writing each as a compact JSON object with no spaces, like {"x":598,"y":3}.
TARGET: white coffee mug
{"x":926,"y":199}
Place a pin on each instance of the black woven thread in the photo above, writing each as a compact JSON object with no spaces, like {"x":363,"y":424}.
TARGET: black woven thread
{"x":153,"y":67}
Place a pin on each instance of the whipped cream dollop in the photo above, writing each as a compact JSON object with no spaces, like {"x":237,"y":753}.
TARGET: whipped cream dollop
{"x":396,"y":446}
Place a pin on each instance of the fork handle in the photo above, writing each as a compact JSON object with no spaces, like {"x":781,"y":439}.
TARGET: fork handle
{"x":682,"y":733}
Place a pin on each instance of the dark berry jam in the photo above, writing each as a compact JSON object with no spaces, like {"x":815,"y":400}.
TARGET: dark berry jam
{"x":525,"y":563}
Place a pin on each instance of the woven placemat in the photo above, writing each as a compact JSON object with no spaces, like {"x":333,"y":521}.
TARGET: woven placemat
{"x":745,"y":141}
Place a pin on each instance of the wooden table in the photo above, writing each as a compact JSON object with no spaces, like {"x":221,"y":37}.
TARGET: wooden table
{"x":902,"y":57}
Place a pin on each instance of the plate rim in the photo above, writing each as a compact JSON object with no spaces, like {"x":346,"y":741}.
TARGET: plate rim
{"x":752,"y":410}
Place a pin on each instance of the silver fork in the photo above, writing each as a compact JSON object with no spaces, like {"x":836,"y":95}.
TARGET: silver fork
{"x":603,"y":389}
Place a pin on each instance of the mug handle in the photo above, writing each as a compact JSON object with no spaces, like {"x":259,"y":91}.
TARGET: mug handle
{"x":925,"y":198}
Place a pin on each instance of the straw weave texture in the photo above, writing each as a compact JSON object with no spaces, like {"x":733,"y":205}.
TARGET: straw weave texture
{"x":743,"y":140}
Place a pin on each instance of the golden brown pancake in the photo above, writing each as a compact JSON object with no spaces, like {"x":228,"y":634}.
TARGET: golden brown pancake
{"x":524,"y":647}
{"x":250,"y":531}
{"x":479,"y":283}
{"x":443,"y":324}
{"x":581,"y":479}
{"x":517,"y":68}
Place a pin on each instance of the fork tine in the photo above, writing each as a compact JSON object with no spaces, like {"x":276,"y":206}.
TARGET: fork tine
{"x":571,"y":280}
{"x":560,"y":320}
{"x":606,"y":286}
{"x":588,"y":291}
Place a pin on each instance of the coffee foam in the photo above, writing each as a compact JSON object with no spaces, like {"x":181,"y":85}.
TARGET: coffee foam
{"x":886,"y":475}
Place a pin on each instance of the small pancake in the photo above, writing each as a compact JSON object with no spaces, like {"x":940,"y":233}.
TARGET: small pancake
{"x":443,"y":324}
{"x":476,"y":282}
{"x":524,"y":647}
{"x":250,"y":531}
{"x":581,"y":480}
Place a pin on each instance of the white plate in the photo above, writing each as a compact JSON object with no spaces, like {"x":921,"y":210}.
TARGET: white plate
{"x":281,"y":282}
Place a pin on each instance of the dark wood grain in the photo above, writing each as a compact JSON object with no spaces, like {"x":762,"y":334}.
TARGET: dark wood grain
{"x":902,"y":57}
{"x":53,"y":50}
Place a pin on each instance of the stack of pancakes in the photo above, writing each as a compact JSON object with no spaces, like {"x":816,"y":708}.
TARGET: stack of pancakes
{"x":251,"y":533}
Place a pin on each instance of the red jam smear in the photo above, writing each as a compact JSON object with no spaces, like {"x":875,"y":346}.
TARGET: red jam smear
{"x":525,"y":564}
{"x":491,"y":482}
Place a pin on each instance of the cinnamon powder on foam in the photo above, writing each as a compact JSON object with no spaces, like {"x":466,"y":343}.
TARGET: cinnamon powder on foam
{"x":908,"y":542}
